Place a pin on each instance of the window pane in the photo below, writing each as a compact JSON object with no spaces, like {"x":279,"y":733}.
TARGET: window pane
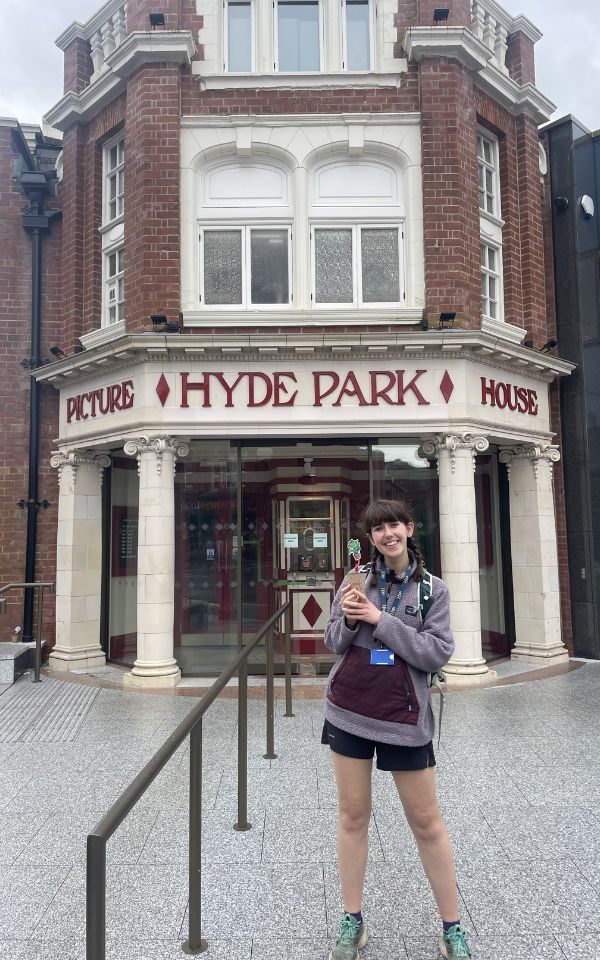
{"x":113,"y":157}
{"x":357,"y":35}
{"x":223,"y":266}
{"x":239,"y":37}
{"x":298,"y":36}
{"x":333,"y":266}
{"x":491,"y":258}
{"x":269,"y":266}
{"x":380,"y":266}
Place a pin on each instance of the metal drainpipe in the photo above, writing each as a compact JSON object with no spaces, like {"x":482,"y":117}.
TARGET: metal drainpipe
{"x":36,"y":221}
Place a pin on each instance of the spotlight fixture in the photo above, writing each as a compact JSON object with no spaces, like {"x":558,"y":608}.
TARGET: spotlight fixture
{"x":549,"y":345}
{"x":156,"y":20}
{"x":79,"y":348}
{"x":447,"y":318}
{"x":162,"y":325}
{"x":57,"y":352}
{"x":561,"y":203}
{"x":440,"y":15}
{"x":528,"y":343}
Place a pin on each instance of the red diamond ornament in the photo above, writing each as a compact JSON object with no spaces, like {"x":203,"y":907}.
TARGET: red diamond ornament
{"x":162,"y":389}
{"x":311,"y":610}
{"x":446,"y":386}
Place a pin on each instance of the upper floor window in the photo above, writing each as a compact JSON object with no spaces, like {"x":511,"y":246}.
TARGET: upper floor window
{"x":491,"y":281}
{"x":245,"y":266}
{"x":358,"y":34}
{"x":114,"y":285}
{"x":487,"y":172}
{"x":114,"y":179}
{"x":298,"y":36}
{"x":239,"y":36}
{"x":356,"y":265}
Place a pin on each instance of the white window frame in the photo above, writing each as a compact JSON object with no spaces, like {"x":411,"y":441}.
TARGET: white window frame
{"x":494,"y":168}
{"x":276,"y":68}
{"x":112,"y":282}
{"x":252,"y":5}
{"x":372,"y":28}
{"x":486,"y":272}
{"x":108,"y":174}
{"x":246,"y":229}
{"x":357,"y":300}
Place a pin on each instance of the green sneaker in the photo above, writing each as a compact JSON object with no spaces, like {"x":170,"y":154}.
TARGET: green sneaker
{"x":352,"y":937}
{"x":453,"y":943}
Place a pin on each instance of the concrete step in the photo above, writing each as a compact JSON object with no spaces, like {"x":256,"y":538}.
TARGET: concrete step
{"x":15,"y":659}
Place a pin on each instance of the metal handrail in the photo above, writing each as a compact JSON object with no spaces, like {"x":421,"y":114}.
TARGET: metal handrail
{"x":97,"y":839}
{"x":39,"y":585}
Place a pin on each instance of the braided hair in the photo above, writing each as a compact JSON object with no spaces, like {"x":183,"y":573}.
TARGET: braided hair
{"x":389,"y":511}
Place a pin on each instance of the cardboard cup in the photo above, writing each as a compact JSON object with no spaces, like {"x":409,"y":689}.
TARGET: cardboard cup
{"x":356,"y":580}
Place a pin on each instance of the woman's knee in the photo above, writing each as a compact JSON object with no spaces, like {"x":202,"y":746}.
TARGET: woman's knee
{"x":427,"y":826}
{"x":354,"y":819}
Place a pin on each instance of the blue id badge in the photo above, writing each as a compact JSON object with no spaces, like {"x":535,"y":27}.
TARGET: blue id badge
{"x":382,"y":657}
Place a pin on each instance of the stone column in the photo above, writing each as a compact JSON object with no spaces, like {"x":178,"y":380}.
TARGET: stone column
{"x":155,"y":665}
{"x":78,"y":560}
{"x":458,"y":540}
{"x":534,"y":553}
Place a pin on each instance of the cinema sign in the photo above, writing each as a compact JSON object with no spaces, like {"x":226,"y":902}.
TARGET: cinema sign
{"x":317,"y":388}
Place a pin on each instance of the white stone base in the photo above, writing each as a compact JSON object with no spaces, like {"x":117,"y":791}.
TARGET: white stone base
{"x":466,"y":668}
{"x":528,"y":653}
{"x":163,"y":676}
{"x":456,"y":681}
{"x":76,"y":659}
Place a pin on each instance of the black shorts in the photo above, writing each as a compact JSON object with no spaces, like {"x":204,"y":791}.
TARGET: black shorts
{"x":389,"y":755}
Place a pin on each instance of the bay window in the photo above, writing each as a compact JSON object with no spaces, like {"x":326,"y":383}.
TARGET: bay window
{"x":243,"y":266}
{"x":358,"y":35}
{"x":357,"y":265}
{"x":490,"y":281}
{"x":298,"y":36}
{"x":114,"y":285}
{"x":239,"y":37}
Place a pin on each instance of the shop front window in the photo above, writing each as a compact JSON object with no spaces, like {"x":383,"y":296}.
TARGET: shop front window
{"x":122,"y":580}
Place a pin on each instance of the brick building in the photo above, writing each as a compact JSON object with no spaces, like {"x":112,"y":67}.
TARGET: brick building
{"x":302,"y":247}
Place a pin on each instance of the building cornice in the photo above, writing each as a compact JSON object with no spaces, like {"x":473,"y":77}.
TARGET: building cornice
{"x":139,"y":49}
{"x":83,"y":31}
{"x":461,"y":44}
{"x":308,"y":119}
{"x":134,"y":349}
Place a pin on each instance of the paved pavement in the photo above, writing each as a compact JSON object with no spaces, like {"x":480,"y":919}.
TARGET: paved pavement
{"x":519,"y":778}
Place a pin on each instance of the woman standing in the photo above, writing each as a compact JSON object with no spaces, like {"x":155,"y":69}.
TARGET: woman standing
{"x":378,"y":701}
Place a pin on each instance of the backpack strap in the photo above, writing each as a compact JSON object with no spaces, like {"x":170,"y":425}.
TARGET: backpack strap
{"x":424,"y":600}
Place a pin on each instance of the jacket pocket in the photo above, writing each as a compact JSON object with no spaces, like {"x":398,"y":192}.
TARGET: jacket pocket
{"x":382,"y":693}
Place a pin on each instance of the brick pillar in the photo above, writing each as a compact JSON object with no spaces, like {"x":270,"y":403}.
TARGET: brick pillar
{"x":78,"y":560}
{"x":534,"y":554}
{"x":450,"y":192}
{"x":532,"y":241}
{"x":458,"y":542}
{"x":78,"y":65}
{"x":152,"y":212}
{"x":520,"y":58}
{"x":155,"y":665}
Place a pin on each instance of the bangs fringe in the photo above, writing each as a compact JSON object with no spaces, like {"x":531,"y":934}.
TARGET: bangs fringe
{"x":383,"y":511}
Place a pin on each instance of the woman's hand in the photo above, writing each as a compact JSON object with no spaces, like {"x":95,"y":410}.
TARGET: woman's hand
{"x":356,"y":606}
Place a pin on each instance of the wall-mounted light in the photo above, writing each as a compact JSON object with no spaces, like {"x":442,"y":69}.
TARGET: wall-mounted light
{"x":447,"y":318}
{"x":587,"y":206}
{"x":162,"y":325}
{"x":440,"y":15}
{"x":156,"y":20}
{"x":57,"y":352}
{"x":549,"y":345}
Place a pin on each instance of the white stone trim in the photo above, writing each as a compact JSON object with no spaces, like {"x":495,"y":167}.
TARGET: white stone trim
{"x":298,"y":81}
{"x":291,"y":119}
{"x":140,"y":47}
{"x":159,"y":445}
{"x":103,"y":335}
{"x":453,"y":442}
{"x":83,"y":31}
{"x":533,"y":452}
{"x":460,"y":43}
{"x":77,"y":458}
{"x":502,"y":330}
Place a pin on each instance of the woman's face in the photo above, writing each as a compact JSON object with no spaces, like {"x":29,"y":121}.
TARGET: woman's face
{"x":390,"y":539}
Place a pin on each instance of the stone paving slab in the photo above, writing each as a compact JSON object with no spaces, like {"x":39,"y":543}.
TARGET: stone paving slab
{"x":519,"y":783}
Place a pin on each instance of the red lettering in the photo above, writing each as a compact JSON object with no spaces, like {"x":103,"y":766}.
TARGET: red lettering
{"x":532,"y":403}
{"x":94,"y":397}
{"x":71,"y":408}
{"x":521,"y":399}
{"x":103,"y":401}
{"x":82,"y":398}
{"x":487,"y":390}
{"x":280,"y":387}
{"x":501,"y":396}
{"x":512,"y":397}
{"x":335,"y":382}
{"x":350,"y":388}
{"x":252,"y":401}
{"x":411,"y":385}
{"x":383,"y":394}
{"x":188,"y":385}
{"x":228,"y":389}
{"x":128,"y":394}
{"x":115,"y":397}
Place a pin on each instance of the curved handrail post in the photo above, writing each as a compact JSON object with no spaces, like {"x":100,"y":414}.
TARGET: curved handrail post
{"x":195,"y":943}
{"x":288,"y":664}
{"x":95,"y":904}
{"x":270,"y":754}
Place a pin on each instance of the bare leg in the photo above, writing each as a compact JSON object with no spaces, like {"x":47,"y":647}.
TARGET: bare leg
{"x":417,"y":792}
{"x":353,"y":778}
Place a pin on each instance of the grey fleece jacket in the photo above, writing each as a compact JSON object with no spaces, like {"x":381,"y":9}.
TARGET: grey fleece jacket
{"x":390,"y":704}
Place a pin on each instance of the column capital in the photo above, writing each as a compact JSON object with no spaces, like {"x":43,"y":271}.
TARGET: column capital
{"x":158,"y":445}
{"x":536,"y":453}
{"x":78,"y":458}
{"x":451,"y":442}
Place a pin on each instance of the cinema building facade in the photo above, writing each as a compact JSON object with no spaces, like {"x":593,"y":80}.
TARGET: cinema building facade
{"x":266,"y":210}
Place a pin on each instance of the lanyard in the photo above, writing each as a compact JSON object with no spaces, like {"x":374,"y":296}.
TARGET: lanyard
{"x":385,"y":594}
